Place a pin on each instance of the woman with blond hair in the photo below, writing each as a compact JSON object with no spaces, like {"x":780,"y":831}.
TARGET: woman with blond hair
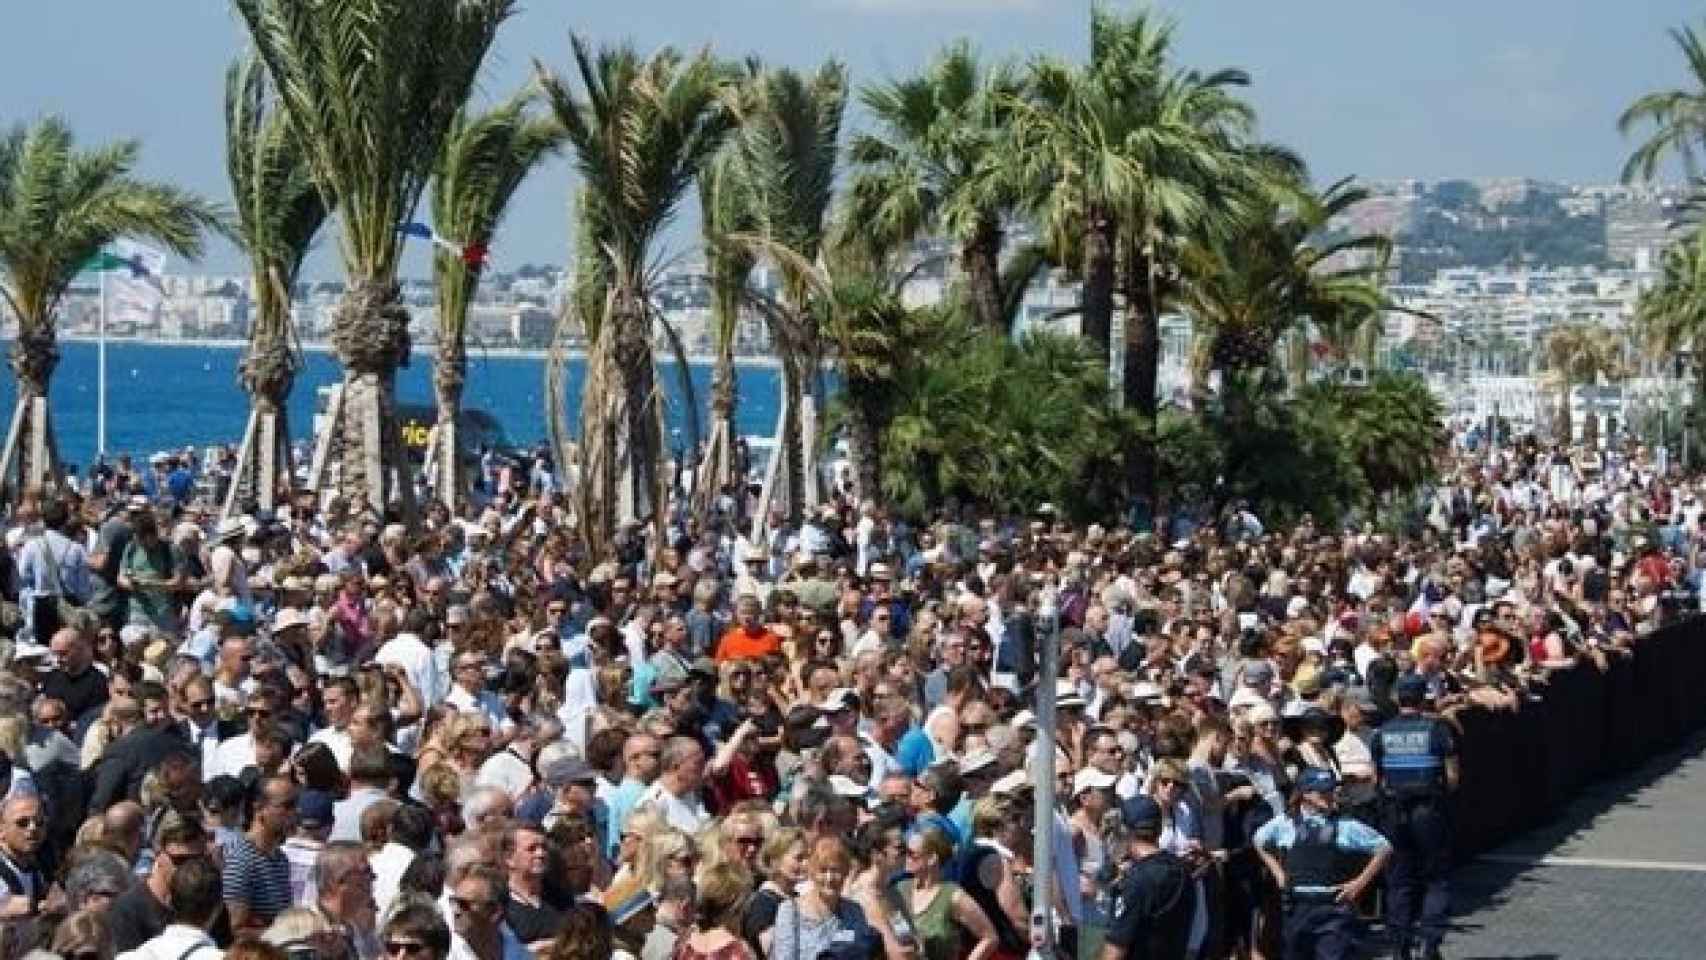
{"x":660,"y":853}
{"x":306,"y":927}
{"x":945,"y":921}
{"x":119,"y":717}
{"x":633,"y":846}
{"x":1181,"y":832}
{"x":84,"y":935}
{"x":783,"y":861}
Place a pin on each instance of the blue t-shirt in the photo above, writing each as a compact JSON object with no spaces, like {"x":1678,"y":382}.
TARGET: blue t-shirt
{"x":915,"y":752}
{"x":1350,"y":836}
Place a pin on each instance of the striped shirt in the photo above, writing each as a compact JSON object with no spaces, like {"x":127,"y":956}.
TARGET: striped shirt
{"x":261,"y":880}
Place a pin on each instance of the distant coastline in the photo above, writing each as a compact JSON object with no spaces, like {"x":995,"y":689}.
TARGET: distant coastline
{"x":475,"y":352}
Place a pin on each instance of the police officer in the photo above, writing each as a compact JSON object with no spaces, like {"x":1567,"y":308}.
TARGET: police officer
{"x":1323,"y":862}
{"x":1416,"y":756}
{"x":1155,"y":897}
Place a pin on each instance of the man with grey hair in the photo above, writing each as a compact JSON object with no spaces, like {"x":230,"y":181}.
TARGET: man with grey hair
{"x":343,"y":883}
{"x":23,"y":826}
{"x":463,"y":859}
{"x":48,"y":741}
{"x":675,"y":795}
{"x":97,"y":877}
{"x":485,"y":805}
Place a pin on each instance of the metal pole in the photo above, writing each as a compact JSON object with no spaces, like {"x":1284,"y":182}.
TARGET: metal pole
{"x":1042,"y":771}
{"x":101,"y":375}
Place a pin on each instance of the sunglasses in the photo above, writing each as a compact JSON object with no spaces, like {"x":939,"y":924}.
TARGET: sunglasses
{"x":473,"y":906}
{"x":404,"y":947}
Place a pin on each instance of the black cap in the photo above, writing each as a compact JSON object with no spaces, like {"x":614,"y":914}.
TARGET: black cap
{"x":1141,"y":813}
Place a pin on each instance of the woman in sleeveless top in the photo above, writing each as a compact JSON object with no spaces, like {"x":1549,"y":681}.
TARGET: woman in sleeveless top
{"x":715,"y":934}
{"x":944,"y":919}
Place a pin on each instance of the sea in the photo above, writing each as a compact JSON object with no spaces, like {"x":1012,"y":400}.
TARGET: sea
{"x":165,"y":396}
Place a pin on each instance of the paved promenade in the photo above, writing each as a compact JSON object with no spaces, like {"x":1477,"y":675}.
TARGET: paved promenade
{"x":1621,"y":873}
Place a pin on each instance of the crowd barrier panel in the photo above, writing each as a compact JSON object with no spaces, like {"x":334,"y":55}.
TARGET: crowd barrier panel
{"x":1583,"y":723}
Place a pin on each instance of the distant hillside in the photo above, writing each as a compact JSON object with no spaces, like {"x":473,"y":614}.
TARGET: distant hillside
{"x":1509,"y":223}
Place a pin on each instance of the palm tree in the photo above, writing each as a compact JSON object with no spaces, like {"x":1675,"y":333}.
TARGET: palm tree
{"x":279,"y":211}
{"x":640,"y":133}
{"x":724,"y":213}
{"x":1579,"y":354}
{"x":1678,"y":117}
{"x":482,"y":163}
{"x":1243,"y":291}
{"x":940,"y":162}
{"x":1137,"y":158}
{"x":787,"y":148}
{"x":372,"y":87}
{"x":1671,"y":317}
{"x":59,"y":205}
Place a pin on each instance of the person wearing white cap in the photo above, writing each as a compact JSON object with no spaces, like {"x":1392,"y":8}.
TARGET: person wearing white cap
{"x":1092,"y":798}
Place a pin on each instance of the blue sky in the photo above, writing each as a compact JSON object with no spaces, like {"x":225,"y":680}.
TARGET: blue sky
{"x":1390,"y":88}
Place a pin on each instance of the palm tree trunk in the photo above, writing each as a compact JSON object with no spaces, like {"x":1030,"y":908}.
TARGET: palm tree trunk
{"x":1142,"y":364}
{"x":449,"y":376}
{"x":718,"y":468}
{"x":790,"y":444}
{"x":1097,"y":296}
{"x":864,"y":437}
{"x":980,"y":258}
{"x":29,"y":461}
{"x":263,"y":473}
{"x":371,"y":337}
{"x":619,"y":421}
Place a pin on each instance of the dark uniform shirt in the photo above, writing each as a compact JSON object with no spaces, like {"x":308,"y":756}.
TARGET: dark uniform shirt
{"x":1153,"y":908}
{"x":1410,"y":752}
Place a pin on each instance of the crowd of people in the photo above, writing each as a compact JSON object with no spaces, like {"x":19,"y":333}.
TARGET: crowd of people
{"x":316,"y":734}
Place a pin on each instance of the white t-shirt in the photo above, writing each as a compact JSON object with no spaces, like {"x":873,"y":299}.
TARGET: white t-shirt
{"x":687,"y":815}
{"x":417,"y":660}
{"x":507,"y":772}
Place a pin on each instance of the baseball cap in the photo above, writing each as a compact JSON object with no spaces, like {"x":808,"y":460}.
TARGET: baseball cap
{"x":976,"y":762}
{"x":1317,"y":780}
{"x":1140,"y":813}
{"x":1014,"y":782}
{"x":314,"y":808}
{"x":1090,"y":778}
{"x":839,"y":699}
{"x":1411,"y":685}
{"x":845,"y":786}
{"x":569,"y":770}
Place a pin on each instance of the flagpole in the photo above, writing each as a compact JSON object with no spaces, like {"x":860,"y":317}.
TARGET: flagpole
{"x":101,"y":377}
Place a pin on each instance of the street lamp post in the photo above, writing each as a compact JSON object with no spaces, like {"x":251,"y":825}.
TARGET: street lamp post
{"x":1042,"y":771}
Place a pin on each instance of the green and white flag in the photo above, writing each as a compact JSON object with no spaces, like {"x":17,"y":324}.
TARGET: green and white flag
{"x":133,"y":289}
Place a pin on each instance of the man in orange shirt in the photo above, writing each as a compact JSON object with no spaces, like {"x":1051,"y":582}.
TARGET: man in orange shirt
{"x":748,"y":639}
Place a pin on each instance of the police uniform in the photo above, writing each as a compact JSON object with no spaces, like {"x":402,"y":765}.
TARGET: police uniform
{"x":1410,"y":751}
{"x":1321,"y":853}
{"x":1150,"y":918}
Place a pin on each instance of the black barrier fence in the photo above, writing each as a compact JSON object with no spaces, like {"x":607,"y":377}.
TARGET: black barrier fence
{"x":1588,"y":723}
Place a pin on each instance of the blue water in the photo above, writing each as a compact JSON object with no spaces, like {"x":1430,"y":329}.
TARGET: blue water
{"x":168,"y":396}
